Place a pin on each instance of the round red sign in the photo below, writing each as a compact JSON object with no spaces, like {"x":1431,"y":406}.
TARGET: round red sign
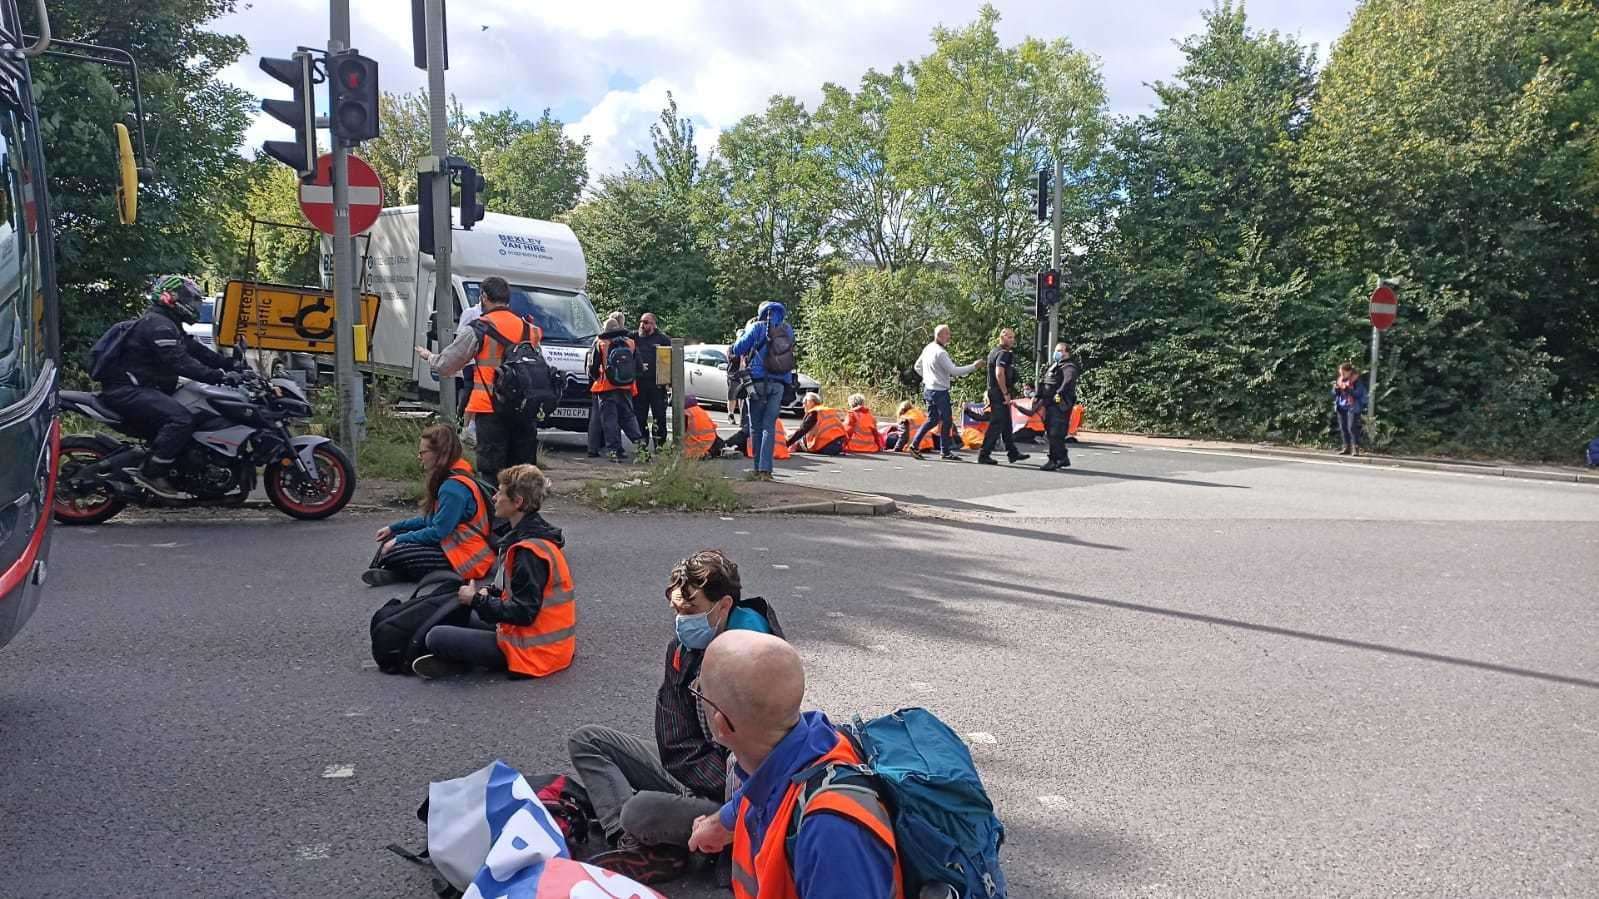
{"x":366,"y":195}
{"x":1384,"y":307}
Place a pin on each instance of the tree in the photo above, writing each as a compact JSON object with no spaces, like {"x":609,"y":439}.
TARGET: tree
{"x":980,"y":121}
{"x":539,"y":174}
{"x":866,"y":327}
{"x":194,"y":122}
{"x":404,"y":139}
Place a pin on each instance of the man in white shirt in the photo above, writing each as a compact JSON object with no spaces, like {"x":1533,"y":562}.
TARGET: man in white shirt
{"x":937,"y":370}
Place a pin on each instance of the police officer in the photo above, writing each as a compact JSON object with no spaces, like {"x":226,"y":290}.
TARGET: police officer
{"x":151,"y":357}
{"x":1058,"y":392}
{"x":651,"y":399}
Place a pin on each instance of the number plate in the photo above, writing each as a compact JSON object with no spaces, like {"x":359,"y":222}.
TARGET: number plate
{"x":571,"y":412}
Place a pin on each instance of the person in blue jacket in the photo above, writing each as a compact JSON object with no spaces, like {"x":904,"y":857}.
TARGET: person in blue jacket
{"x":1349,"y":401}
{"x":766,"y":388}
{"x":450,"y":534}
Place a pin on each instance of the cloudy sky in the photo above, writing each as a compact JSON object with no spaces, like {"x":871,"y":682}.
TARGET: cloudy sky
{"x":604,"y":66}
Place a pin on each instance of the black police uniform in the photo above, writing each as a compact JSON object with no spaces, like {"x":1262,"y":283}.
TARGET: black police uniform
{"x":1058,"y":391}
{"x":651,"y":400}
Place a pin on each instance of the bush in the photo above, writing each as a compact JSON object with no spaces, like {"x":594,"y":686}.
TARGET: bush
{"x":672,"y":482}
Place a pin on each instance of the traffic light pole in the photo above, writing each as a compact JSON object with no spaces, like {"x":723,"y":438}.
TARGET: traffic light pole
{"x":1054,"y":263}
{"x":443,"y":292}
{"x":351,"y":403}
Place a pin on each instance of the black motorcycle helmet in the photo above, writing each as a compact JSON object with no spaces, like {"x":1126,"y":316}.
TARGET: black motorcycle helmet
{"x":179,"y":297}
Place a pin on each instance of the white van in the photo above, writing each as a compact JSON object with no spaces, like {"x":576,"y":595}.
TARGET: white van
{"x":543,"y":263}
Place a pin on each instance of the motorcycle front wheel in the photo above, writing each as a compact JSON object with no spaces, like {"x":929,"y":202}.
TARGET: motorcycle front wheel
{"x":97,"y":505}
{"x":298,"y":496}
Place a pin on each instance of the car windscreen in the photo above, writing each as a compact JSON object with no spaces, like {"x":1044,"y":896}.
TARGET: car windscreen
{"x":564,"y":317}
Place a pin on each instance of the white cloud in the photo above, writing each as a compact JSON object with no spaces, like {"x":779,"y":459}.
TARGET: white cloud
{"x":605,"y":65}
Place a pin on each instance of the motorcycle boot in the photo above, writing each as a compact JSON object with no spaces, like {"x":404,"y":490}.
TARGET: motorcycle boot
{"x":153,"y":476}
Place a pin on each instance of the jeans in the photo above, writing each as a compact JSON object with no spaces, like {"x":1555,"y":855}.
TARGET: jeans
{"x":475,"y":644}
{"x":766,"y":401}
{"x":503,"y":441}
{"x":999,"y":428}
{"x":1349,"y":425}
{"x":940,"y":415}
{"x":631,"y":791}
{"x":154,"y":415}
{"x":616,"y":419}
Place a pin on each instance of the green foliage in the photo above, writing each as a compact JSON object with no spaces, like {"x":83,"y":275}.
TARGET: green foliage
{"x":866,"y":327}
{"x":670,"y":483}
{"x":540,"y":173}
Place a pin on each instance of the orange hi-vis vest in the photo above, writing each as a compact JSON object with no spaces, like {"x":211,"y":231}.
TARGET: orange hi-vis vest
{"x":548,"y":644}
{"x":780,"y":448}
{"x":916,"y":418}
{"x":602,"y":384}
{"x":764,"y":872}
{"x":828,"y":428}
{"x":486,"y":364}
{"x":467,"y":547}
{"x":699,"y":432}
{"x":863,"y":436}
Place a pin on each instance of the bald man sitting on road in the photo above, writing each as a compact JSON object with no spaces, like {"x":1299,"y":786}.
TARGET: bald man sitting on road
{"x":752,"y":686}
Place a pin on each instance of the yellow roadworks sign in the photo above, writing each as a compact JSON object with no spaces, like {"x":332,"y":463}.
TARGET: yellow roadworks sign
{"x":285,"y":318}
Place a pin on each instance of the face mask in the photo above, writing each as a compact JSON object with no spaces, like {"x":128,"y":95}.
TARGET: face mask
{"x":1060,"y":356}
{"x":695,"y":631}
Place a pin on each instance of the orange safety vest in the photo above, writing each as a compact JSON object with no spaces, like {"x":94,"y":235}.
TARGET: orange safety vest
{"x":863,"y":436}
{"x":548,"y":644}
{"x":828,"y":428}
{"x":765,"y":871}
{"x":1076,"y":420}
{"x":700,"y":432}
{"x":916,"y":418}
{"x":603,"y":384}
{"x":780,"y":448}
{"x":486,"y":363}
{"x":467,"y":547}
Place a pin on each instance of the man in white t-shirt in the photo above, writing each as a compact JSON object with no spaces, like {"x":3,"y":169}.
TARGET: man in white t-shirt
{"x":937,"y":370}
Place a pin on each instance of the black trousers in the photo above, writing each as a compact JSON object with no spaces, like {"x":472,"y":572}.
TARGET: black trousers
{"x":998,"y":429}
{"x":503,"y":441}
{"x":414,"y":561}
{"x":651,"y":400}
{"x":155,"y":416}
{"x":1057,"y":419}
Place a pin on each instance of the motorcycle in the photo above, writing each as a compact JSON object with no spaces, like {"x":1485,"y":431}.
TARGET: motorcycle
{"x":239,"y":425}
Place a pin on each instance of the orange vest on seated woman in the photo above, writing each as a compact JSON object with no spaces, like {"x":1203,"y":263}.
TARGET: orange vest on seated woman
{"x":699,"y":432}
{"x":467,"y":547}
{"x":780,"y":448}
{"x":916,"y":418}
{"x":862,"y":428}
{"x":828,"y":428}
{"x":548,"y":644}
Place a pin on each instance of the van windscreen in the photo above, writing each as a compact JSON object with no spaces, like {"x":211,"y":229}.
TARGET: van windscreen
{"x":563,"y":317}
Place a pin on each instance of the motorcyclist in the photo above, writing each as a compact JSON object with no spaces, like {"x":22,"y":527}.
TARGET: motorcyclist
{"x":154,"y":354}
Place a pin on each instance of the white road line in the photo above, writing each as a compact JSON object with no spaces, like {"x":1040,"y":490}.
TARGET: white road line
{"x":742,"y":533}
{"x":335,"y":772}
{"x":727,"y":518}
{"x":765,"y":549}
{"x":983,"y":738}
{"x":836,"y":615}
{"x":781,"y":567}
{"x":920,"y":686}
{"x":878,"y":647}
{"x":1055,"y":803}
{"x":314,"y":852}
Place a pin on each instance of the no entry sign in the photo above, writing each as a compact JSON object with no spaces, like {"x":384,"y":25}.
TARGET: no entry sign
{"x":366,"y":196}
{"x":1384,"y":307}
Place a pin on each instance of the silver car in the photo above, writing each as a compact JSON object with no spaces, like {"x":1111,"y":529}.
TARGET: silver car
{"x":705,"y":374}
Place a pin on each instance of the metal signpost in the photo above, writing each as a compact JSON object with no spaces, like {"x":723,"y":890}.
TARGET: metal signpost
{"x":443,"y":289}
{"x":352,"y":408}
{"x":1054,"y":263}
{"x":1384,"y":308}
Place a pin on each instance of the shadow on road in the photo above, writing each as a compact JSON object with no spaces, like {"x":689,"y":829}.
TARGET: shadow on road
{"x":1279,"y":631}
{"x":999,"y":530}
{"x":954,"y":505}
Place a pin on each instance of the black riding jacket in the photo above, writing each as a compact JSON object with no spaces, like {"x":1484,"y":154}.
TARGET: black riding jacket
{"x":157,"y":351}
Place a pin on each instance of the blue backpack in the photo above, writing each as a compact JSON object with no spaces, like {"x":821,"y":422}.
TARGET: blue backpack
{"x":1593,"y":451}
{"x":944,"y":823}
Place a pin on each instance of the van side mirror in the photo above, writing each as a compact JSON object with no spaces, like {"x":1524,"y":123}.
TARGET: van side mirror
{"x":127,"y":177}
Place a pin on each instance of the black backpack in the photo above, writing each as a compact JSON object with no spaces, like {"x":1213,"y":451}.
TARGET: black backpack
{"x":400,"y":627}
{"x":105,"y":356}
{"x":525,"y":382}
{"x":779,"y":356}
{"x":621,"y":363}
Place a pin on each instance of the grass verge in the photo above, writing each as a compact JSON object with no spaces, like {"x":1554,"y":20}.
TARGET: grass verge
{"x":670,"y":483}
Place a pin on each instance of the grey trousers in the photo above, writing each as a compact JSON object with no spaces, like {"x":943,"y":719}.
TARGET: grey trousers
{"x":477,"y":644}
{"x":631,"y":791}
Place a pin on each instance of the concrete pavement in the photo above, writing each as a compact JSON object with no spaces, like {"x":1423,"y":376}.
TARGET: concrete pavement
{"x":1180,"y":674}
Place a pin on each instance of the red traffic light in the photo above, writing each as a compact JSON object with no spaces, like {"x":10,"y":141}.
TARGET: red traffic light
{"x":1052,"y":278}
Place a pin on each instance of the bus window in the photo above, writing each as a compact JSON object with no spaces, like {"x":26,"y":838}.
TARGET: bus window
{"x":22,"y":337}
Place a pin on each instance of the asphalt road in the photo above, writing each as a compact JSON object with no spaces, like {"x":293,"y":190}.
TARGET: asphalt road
{"x":1182,"y":674}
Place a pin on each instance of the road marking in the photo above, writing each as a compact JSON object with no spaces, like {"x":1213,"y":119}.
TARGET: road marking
{"x":358,"y":713}
{"x":125,"y":546}
{"x":878,"y":647}
{"x":1055,"y":803}
{"x":829,"y":614}
{"x":920,"y":686}
{"x":369,"y":666}
{"x":803,"y":589}
{"x":763,"y":549}
{"x":167,"y":545}
{"x":336,"y":772}
{"x":983,"y":738}
{"x":314,"y":852}
{"x":727,"y":518}
{"x":781,"y":567}
{"x":742,"y":533}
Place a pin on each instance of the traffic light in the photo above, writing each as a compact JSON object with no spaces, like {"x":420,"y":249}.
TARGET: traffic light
{"x":1043,"y":194}
{"x":299,"y":113}
{"x":473,"y":186}
{"x":1048,"y":293}
{"x":353,"y":97}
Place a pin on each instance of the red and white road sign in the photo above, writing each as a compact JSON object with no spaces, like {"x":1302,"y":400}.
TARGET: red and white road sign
{"x":1384,"y":307}
{"x":366,"y":195}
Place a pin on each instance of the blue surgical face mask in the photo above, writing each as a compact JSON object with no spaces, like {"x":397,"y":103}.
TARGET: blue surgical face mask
{"x":1060,"y":356}
{"x":695,"y":631}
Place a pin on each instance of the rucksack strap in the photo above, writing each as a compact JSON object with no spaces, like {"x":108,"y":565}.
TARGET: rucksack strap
{"x":831,"y":777}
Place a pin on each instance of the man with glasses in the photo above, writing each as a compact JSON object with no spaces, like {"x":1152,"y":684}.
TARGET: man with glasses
{"x":647,"y":797}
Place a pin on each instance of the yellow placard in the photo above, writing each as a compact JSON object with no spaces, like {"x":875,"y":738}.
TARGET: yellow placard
{"x":285,"y":318}
{"x":663,"y":366}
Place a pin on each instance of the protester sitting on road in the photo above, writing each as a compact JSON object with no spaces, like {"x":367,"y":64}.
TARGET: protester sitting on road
{"x":822,"y":430}
{"x":700,"y":440}
{"x":526,"y":621}
{"x":752,"y":686}
{"x":861,"y":428}
{"x":647,"y":798}
{"x":1349,"y":402}
{"x":453,"y":531}
{"x":910,"y":419}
